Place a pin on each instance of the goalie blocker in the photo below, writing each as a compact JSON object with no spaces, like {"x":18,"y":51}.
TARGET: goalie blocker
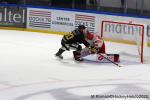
{"x":103,"y":58}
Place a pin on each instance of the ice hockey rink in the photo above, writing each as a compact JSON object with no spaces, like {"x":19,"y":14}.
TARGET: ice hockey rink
{"x":30,"y":71}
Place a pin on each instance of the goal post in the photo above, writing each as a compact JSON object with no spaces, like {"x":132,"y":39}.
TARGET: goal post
{"x":125,"y":32}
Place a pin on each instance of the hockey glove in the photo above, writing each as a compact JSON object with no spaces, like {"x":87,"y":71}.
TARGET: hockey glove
{"x":93,"y":50}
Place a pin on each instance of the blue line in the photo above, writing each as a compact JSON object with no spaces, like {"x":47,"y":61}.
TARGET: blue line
{"x":78,"y":10}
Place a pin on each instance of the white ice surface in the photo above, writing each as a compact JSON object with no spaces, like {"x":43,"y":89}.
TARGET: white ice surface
{"x":30,"y":71}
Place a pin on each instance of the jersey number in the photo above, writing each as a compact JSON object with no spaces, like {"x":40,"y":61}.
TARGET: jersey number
{"x":69,"y":36}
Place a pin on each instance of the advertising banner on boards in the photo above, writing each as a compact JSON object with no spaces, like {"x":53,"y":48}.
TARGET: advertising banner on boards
{"x":148,"y":35}
{"x":13,"y":17}
{"x":62,"y":22}
{"x":38,"y":19}
{"x":87,"y":20}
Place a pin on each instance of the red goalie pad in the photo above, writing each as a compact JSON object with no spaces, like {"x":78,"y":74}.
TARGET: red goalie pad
{"x":103,"y":58}
{"x":106,"y":57}
{"x":86,"y":54}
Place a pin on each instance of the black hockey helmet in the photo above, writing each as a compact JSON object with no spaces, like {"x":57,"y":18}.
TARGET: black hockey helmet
{"x":81,"y":27}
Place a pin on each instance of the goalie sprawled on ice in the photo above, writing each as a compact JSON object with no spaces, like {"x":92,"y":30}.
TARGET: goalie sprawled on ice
{"x":94,"y":46}
{"x":97,"y":50}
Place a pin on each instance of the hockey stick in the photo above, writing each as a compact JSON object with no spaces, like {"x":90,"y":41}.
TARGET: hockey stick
{"x":110,"y":60}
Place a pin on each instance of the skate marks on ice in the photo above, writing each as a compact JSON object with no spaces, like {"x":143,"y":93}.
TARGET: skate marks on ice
{"x":83,"y":90}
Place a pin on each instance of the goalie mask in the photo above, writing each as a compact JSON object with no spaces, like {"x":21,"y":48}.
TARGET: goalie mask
{"x":95,"y":40}
{"x":90,"y":36}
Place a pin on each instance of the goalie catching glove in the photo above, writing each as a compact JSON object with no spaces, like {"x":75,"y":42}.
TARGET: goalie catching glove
{"x":93,"y":50}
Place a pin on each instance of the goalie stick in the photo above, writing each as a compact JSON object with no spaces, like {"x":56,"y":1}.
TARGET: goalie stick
{"x":110,"y":60}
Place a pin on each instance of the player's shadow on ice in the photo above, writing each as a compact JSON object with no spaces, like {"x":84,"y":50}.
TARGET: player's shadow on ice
{"x":122,"y":63}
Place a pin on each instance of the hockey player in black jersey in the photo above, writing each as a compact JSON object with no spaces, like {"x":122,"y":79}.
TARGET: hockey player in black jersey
{"x":73,"y":40}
